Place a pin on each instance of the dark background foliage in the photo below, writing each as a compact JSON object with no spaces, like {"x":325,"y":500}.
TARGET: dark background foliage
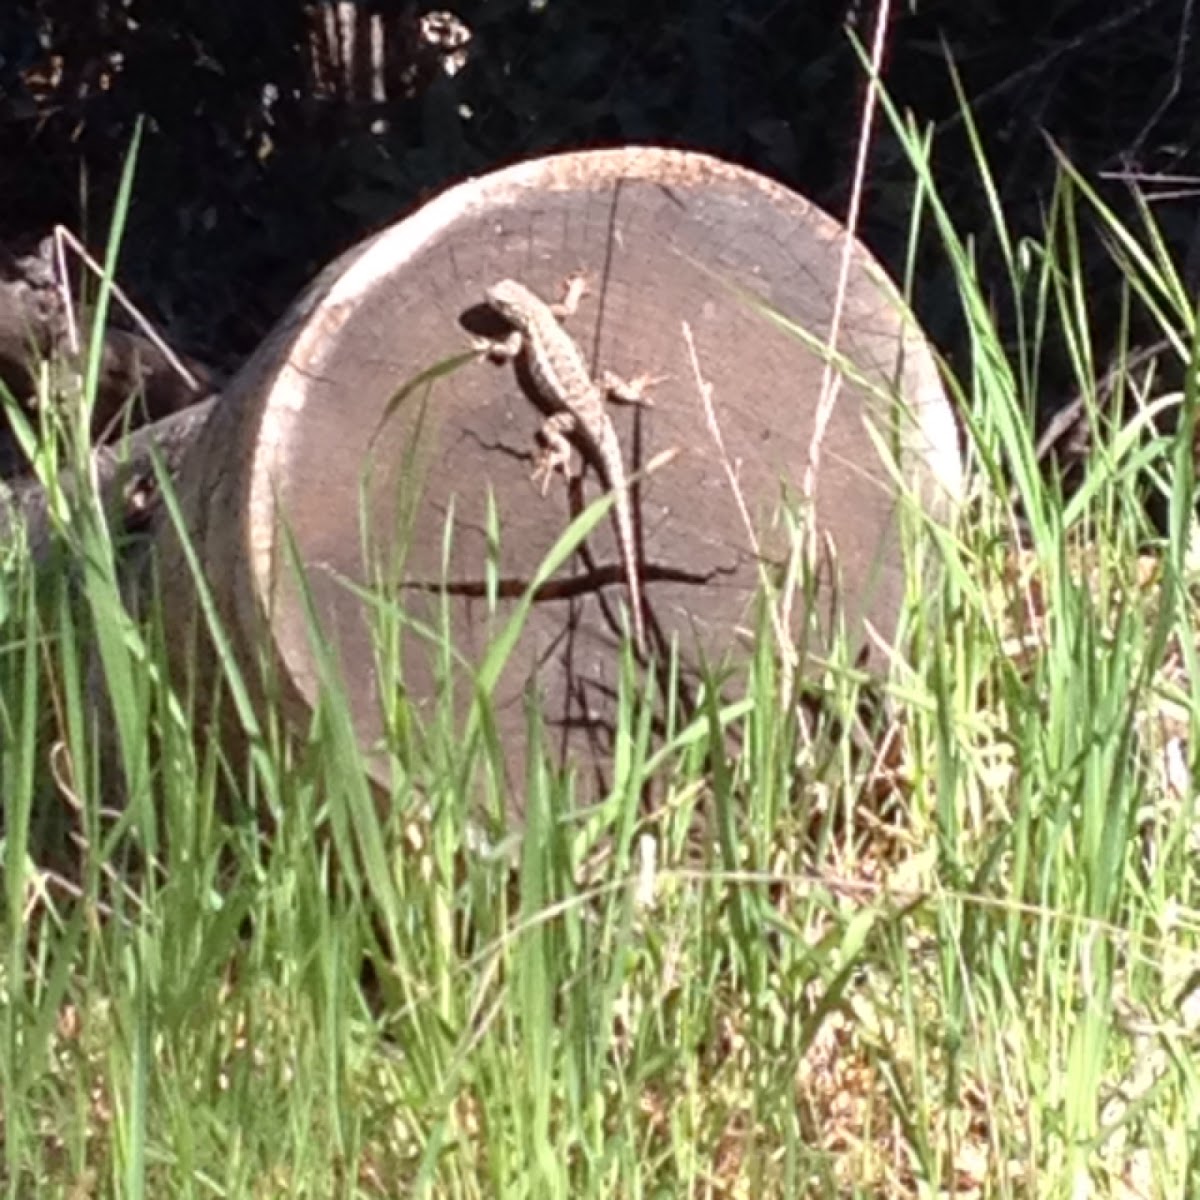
{"x":272,"y":143}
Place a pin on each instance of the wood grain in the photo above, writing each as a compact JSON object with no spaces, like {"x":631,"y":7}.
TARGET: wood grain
{"x":311,"y":433}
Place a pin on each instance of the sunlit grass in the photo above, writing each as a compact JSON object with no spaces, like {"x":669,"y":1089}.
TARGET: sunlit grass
{"x":944,"y":949}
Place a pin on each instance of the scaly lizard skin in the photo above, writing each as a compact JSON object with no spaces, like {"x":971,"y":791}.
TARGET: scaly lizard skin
{"x":560,"y":373}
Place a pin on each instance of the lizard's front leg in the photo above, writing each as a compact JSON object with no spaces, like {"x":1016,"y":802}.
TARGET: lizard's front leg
{"x":500,"y":350}
{"x":555,"y":452}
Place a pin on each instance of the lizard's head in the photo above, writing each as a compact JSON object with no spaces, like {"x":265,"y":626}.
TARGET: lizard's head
{"x":509,"y":298}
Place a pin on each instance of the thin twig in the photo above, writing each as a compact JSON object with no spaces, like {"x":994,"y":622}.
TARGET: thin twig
{"x":1185,"y":34}
{"x":64,"y":288}
{"x":1079,"y":42}
{"x":830,"y":378}
{"x":804,"y":548}
{"x":152,"y":335}
{"x":704,"y":390}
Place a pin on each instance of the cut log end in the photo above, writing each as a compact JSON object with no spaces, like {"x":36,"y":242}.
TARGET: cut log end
{"x":368,"y":399}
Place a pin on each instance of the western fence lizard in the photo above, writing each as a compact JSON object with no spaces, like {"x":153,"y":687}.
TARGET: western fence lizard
{"x":559,"y":372}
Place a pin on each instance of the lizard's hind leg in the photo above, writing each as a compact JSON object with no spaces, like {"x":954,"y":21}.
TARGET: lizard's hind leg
{"x":555,"y":452}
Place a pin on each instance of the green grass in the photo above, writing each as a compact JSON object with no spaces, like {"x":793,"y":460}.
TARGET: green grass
{"x":964,"y":965}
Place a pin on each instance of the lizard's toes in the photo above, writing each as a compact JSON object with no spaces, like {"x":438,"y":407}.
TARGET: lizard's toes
{"x":549,"y":463}
{"x":632,"y":391}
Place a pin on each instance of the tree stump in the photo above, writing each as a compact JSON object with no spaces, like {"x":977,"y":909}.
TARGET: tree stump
{"x":366,"y":399}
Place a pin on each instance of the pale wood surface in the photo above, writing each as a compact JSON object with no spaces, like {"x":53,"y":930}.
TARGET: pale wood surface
{"x":666,"y":237}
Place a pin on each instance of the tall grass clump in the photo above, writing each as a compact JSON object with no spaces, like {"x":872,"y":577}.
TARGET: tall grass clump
{"x":930,"y":934}
{"x":1049,"y":733}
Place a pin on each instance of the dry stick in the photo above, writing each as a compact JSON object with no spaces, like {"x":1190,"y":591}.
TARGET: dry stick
{"x":830,"y":379}
{"x":1081,"y":41}
{"x":111,"y":468}
{"x":63,"y":234}
{"x":704,"y":390}
{"x":804,"y":549}
{"x":64,"y":287}
{"x":1181,"y":51}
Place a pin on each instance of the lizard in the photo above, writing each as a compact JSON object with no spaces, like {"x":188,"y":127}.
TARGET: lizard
{"x":576,"y":401}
